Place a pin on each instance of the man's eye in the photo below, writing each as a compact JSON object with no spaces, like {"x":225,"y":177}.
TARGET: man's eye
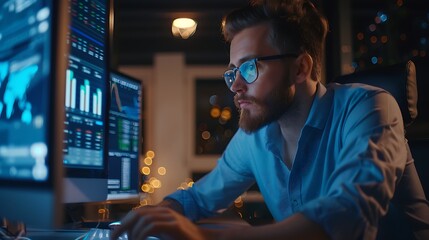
{"x":246,"y":68}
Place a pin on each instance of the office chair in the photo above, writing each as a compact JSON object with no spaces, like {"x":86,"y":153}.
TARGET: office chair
{"x":418,"y":132}
{"x":399,"y":80}
{"x":409,"y":88}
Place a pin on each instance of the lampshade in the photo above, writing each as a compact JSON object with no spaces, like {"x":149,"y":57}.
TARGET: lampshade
{"x":183,"y":27}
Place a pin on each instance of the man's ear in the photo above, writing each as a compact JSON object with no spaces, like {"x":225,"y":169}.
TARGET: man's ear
{"x":304,"y":66}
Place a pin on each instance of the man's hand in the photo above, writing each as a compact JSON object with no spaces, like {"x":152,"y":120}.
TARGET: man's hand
{"x":157,"y":221}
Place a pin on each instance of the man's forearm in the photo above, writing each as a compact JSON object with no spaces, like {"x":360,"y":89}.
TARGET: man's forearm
{"x":295,"y":227}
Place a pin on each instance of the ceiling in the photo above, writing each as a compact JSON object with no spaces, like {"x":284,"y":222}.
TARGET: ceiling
{"x":143,"y":27}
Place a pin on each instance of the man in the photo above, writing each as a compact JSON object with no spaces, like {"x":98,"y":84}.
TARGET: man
{"x":326,"y":159}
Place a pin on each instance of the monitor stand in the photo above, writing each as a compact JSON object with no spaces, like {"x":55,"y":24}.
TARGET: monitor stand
{"x":78,"y":190}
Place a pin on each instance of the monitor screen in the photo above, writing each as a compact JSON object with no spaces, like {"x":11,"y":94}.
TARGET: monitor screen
{"x":124,"y":135}
{"x":86,"y":80}
{"x":31,"y":113}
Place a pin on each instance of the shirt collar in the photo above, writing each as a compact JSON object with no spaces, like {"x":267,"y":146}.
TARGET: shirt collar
{"x":320,"y":108}
{"x":317,"y":117}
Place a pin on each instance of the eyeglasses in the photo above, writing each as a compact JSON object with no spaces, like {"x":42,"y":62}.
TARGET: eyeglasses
{"x":249,"y":70}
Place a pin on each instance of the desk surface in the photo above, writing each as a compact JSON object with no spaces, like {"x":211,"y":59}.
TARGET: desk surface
{"x":213,"y":223}
{"x":92,"y":234}
{"x":55,"y":234}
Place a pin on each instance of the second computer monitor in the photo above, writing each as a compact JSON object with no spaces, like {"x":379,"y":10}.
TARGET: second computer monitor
{"x":124,"y":137}
{"x":87,"y":85}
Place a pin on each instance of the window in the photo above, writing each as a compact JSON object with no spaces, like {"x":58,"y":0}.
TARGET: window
{"x":216,"y":117}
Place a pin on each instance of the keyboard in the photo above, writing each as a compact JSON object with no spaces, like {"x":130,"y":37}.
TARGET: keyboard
{"x":104,"y":234}
{"x":100,"y":234}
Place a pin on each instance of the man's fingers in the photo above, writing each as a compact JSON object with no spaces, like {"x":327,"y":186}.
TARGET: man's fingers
{"x":150,"y":223}
{"x":141,"y":222}
{"x":126,"y":224}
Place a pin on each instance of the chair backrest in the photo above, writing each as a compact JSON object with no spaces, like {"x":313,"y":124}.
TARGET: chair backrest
{"x":420,"y":128}
{"x":409,"y":84}
{"x":399,"y":80}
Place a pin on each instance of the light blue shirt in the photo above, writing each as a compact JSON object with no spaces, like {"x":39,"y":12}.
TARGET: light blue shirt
{"x":350,"y":154}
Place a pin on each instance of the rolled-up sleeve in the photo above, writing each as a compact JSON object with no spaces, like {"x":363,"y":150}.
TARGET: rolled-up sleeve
{"x":220,"y":187}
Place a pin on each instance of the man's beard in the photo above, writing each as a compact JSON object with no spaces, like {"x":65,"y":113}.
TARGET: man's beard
{"x":268,"y":110}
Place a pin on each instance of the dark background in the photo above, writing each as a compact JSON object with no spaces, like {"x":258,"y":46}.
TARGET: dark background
{"x":143,"y":28}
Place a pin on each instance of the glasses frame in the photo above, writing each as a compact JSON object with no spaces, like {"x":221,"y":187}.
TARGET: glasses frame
{"x":230,"y":75}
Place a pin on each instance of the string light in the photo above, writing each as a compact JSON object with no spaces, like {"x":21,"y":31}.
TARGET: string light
{"x":148,"y":161}
{"x":162,"y":171}
{"x":150,"y":154}
{"x":145,"y":170}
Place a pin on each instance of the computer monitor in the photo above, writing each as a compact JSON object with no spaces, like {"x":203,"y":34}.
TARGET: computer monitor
{"x":32,"y":63}
{"x":87,"y":85}
{"x":124,"y":137}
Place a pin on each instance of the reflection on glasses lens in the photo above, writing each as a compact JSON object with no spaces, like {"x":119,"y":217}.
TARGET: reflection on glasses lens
{"x":248,"y":71}
{"x":229,"y":77}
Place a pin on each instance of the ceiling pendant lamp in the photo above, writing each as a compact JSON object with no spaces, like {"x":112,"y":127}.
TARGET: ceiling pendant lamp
{"x":183,"y":27}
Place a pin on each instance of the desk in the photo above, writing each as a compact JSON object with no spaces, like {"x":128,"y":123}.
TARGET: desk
{"x":211,"y":223}
{"x":36,"y":234}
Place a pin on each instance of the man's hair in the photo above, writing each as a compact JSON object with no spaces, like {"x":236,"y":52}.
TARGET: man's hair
{"x":296,"y":26}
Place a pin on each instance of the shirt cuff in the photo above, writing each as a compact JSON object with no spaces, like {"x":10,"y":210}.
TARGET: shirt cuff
{"x":187,"y":202}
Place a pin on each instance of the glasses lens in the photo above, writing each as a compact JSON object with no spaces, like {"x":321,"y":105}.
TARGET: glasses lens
{"x":229,"y":77}
{"x":248,"y":71}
